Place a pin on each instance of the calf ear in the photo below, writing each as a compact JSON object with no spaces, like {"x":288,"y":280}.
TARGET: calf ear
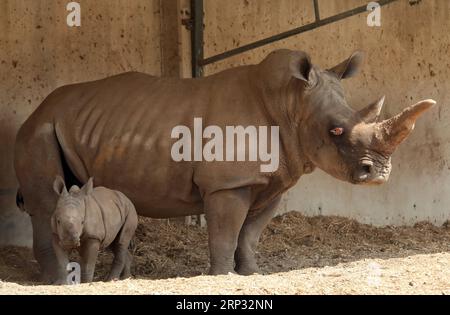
{"x":88,"y":188}
{"x":59,"y":186}
{"x":349,"y":67}
{"x":301,"y":66}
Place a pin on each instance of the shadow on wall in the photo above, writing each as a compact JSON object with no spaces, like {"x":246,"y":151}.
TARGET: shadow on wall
{"x":15,"y":225}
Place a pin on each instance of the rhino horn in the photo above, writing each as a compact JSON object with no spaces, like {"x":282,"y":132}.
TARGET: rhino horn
{"x":372,"y":112}
{"x":393,"y":131}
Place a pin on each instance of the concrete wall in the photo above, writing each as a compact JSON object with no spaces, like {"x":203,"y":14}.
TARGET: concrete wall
{"x":407,"y":60}
{"x":39,"y":52}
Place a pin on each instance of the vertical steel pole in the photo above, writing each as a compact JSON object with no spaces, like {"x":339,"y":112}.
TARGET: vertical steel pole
{"x":316,"y":10}
{"x":197,"y":37}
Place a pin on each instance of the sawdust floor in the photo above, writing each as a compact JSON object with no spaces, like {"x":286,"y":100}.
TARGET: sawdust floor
{"x":297,"y":254}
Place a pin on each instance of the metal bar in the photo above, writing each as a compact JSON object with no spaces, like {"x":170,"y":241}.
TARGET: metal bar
{"x":197,"y":37}
{"x":290,"y":33}
{"x":316,"y":10}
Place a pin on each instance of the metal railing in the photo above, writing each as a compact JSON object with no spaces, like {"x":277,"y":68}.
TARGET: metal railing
{"x":198,"y":60}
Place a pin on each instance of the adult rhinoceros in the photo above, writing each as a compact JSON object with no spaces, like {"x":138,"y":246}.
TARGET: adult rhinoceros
{"x":118,"y":130}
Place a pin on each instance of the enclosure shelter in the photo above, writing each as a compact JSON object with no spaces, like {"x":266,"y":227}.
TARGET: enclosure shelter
{"x":406,"y":60}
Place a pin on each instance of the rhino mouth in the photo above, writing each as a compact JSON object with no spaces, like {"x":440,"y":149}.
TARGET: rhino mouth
{"x":369,"y":172}
{"x":70,"y":245}
{"x":379,"y":180}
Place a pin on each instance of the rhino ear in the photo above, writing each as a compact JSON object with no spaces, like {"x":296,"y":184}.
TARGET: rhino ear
{"x":59,"y":186}
{"x":88,"y":188}
{"x":300,"y":66}
{"x":349,"y":67}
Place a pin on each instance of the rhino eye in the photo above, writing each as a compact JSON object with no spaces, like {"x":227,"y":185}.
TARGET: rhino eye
{"x":337,"y":131}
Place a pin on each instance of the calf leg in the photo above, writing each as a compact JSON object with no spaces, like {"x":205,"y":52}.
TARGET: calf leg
{"x":88,"y":252}
{"x":119,"y":263}
{"x":122,"y":258}
{"x":225,"y":213}
{"x":126,"y":273}
{"x":63,"y":261}
{"x":249,"y":237}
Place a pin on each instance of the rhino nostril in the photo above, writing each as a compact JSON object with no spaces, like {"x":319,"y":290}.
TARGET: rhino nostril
{"x":367,"y":169}
{"x":366,"y":166}
{"x":364,"y":172}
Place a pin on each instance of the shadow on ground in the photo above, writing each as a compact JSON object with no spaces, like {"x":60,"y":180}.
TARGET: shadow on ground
{"x":166,"y":249}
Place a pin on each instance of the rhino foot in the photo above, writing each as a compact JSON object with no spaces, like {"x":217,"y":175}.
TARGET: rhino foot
{"x":60,"y":282}
{"x":247,"y":270}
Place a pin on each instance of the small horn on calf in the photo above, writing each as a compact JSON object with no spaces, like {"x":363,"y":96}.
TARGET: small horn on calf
{"x":394,"y":130}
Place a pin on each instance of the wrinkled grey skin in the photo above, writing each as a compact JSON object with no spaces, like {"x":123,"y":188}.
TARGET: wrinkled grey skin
{"x":118,"y":130}
{"x":90,"y":219}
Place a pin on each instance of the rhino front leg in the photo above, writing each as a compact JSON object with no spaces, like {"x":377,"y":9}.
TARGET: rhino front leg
{"x":88,"y":252}
{"x":249,"y":238}
{"x":225,"y":213}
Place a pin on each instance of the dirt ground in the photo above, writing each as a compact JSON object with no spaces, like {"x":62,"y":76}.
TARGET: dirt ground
{"x":297,"y":254}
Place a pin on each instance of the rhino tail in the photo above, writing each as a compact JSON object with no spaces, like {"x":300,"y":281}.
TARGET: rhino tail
{"x":19,"y":200}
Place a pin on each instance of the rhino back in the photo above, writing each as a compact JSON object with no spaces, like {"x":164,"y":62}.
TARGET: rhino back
{"x":119,"y":131}
{"x":105,"y":215}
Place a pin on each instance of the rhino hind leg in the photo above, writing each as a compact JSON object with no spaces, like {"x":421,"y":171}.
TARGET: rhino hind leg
{"x":37,"y":161}
{"x":126,"y":272}
{"x":120,"y":262}
{"x":51,"y":271}
{"x":225,"y":212}
{"x":249,"y":238}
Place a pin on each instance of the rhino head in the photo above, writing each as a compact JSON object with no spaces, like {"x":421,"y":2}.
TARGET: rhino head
{"x":350,"y":145}
{"x":67,"y":221}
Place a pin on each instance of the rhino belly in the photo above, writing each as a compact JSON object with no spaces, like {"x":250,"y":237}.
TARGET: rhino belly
{"x":157,"y":189}
{"x":147,"y":175}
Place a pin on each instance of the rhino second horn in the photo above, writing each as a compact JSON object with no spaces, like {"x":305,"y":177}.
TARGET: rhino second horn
{"x":396,"y":129}
{"x":372,"y":112}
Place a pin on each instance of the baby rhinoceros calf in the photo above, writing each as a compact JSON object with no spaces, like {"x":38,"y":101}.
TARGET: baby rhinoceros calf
{"x":90,"y":219}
